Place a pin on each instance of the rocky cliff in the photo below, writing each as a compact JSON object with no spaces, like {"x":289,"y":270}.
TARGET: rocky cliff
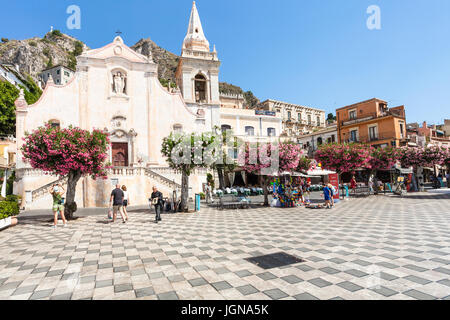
{"x":167,"y":61}
{"x":36,"y":54}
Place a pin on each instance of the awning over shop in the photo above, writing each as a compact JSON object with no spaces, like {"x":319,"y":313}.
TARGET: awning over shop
{"x":318,"y":172}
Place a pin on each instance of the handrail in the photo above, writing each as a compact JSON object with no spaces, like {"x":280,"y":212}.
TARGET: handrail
{"x":44,"y":189}
{"x":161,"y":177}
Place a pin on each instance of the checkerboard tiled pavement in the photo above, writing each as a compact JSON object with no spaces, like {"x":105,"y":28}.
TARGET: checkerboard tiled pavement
{"x":375,"y":248}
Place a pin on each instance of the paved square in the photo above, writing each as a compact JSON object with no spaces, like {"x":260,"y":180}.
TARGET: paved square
{"x":381,"y":247}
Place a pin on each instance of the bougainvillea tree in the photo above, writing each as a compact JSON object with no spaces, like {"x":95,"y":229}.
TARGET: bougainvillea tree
{"x":71,"y":152}
{"x":343,"y":157}
{"x":380,"y":159}
{"x":186,"y":151}
{"x":268,"y":159}
{"x":421,"y":157}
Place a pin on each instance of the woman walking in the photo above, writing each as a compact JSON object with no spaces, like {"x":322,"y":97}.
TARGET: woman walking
{"x":57,"y":192}
{"x":126,"y":201}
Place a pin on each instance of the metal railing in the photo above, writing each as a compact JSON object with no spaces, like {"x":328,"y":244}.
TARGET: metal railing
{"x":370,"y":116}
{"x":41,"y":191}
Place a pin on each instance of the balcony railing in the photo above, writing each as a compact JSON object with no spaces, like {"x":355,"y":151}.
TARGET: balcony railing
{"x":370,"y":116}
{"x":374,"y":138}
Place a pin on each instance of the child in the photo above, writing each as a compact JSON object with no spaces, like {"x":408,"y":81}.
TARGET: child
{"x":327,"y":193}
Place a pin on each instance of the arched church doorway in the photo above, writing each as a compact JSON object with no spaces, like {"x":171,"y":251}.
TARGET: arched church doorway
{"x":200,"y":89}
{"x":119,"y":154}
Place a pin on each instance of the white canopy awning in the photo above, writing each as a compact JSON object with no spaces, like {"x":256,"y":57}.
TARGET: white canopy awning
{"x":319,"y":172}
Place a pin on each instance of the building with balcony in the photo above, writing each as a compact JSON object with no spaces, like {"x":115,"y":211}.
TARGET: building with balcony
{"x":251,"y":125}
{"x":297,"y":120}
{"x":429,"y":135}
{"x":312,"y":141}
{"x":372,"y":122}
{"x":233,"y":101}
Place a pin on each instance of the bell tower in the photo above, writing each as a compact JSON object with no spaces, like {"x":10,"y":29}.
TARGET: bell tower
{"x":198,"y":69}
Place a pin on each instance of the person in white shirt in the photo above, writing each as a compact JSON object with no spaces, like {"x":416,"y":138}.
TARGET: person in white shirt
{"x":208,"y":190}
{"x":126,"y":201}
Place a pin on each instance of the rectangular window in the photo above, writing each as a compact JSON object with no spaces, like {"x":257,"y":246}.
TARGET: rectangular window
{"x":354,"y":135}
{"x":373,"y":133}
{"x":318,"y":121}
{"x":299,"y":117}
{"x":401,"y":131}
{"x":352,"y":115}
{"x":309,"y":119}
{"x":289,"y":115}
{"x":271,"y":132}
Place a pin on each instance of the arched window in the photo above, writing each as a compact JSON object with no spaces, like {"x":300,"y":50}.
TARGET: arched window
{"x":271,"y":132}
{"x":200,"y":89}
{"x":249,"y":131}
{"x":319,"y":141}
{"x":177,"y":128}
{"x":55,"y":123}
{"x":225,"y":127}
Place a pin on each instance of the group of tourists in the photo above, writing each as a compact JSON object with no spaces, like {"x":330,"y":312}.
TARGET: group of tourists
{"x":118,"y":203}
{"x":120,"y":200}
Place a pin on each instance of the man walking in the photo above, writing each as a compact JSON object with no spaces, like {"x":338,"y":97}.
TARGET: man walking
{"x":157,"y":201}
{"x":116,"y":201}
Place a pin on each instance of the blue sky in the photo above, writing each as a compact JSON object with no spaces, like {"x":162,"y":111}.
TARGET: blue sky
{"x":315,"y":53}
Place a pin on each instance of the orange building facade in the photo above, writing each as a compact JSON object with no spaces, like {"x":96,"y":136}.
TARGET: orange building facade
{"x":372,"y":122}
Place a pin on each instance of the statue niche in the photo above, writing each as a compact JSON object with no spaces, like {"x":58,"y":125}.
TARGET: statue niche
{"x":119,"y":83}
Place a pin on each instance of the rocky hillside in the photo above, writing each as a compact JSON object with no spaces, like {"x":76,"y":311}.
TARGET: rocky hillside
{"x":36,"y":54}
{"x":167,"y":61}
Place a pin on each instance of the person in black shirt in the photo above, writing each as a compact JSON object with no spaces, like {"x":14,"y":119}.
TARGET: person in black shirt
{"x":157,"y":201}
{"x":117,"y":202}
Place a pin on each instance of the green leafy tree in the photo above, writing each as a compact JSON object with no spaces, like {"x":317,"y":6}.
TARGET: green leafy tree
{"x":32,"y":91}
{"x":331,"y":117}
{"x":250,"y":99}
{"x":78,"y":48}
{"x":8,"y":94}
{"x":185,"y":152}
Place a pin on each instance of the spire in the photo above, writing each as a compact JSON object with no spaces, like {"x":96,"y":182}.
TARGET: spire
{"x":195,"y":38}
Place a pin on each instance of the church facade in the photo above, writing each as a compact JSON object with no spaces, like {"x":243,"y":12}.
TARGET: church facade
{"x":117,"y":89}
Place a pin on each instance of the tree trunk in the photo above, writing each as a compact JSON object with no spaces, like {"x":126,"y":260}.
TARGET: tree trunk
{"x":221,"y":178}
{"x":70,"y":206}
{"x":420,"y":179}
{"x":266,"y":191}
{"x":184,"y":192}
{"x":374,"y":181}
